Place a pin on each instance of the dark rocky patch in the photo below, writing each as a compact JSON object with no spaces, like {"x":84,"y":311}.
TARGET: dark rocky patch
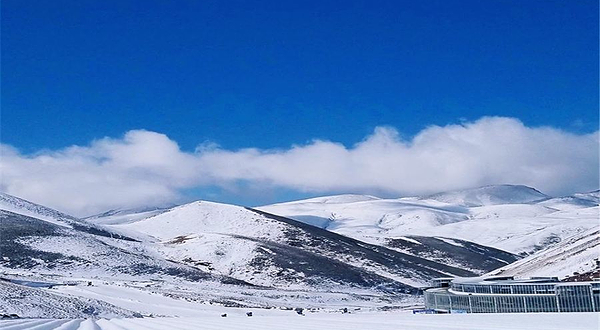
{"x":318,"y":253}
{"x":480,"y":258}
{"x":15,"y":254}
{"x":94,"y":230}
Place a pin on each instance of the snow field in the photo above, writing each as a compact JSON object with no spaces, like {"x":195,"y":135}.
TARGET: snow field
{"x":327,"y":321}
{"x":512,"y":220}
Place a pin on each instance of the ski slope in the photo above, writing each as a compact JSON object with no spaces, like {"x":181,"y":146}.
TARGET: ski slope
{"x":326,"y":321}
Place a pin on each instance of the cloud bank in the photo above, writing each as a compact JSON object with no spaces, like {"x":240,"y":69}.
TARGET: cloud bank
{"x":148,"y":168}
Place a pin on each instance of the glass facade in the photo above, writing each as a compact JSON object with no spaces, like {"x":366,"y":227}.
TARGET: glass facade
{"x":515,"y":297}
{"x":575,"y":298}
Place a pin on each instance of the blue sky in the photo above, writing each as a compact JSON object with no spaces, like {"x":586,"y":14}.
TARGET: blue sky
{"x":271,"y":74}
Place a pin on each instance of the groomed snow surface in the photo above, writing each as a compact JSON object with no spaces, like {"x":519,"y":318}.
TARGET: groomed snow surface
{"x":328,"y":321}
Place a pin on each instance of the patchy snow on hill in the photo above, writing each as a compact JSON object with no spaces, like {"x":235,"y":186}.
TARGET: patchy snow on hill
{"x":576,"y":254}
{"x":521,"y":234}
{"x":513,"y":218}
{"x":273,"y":251}
{"x":363,"y":253}
{"x":21,"y":206}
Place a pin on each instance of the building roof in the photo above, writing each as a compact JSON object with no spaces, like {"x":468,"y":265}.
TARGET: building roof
{"x":504,"y":280}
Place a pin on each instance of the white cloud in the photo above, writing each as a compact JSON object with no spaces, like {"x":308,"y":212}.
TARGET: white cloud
{"x":148,"y":168}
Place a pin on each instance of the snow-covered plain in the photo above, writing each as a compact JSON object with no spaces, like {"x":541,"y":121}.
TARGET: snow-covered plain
{"x":326,"y":321}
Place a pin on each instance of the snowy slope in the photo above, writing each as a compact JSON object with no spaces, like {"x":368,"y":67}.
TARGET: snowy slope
{"x":593,"y":196}
{"x":490,"y":195}
{"x":576,"y":254}
{"x":521,"y":234}
{"x":41,"y":247}
{"x":38,"y":303}
{"x":575,"y":201}
{"x":192,"y":253}
{"x":517,"y":219}
{"x":122,"y":216}
{"x":274,"y":251}
{"x":21,"y":206}
{"x":339,"y":199}
{"x":371,"y":219}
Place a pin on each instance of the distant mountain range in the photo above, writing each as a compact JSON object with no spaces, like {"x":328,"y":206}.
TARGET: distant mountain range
{"x":345,"y":245}
{"x":205,"y":240}
{"x":514,"y":218}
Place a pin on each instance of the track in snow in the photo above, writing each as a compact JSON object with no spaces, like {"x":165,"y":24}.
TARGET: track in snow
{"x":372,"y":321}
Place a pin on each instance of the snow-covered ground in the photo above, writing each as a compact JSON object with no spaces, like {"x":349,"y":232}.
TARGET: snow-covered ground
{"x":270,"y":319}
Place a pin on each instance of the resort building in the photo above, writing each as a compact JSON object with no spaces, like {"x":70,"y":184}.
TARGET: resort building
{"x":509,"y":295}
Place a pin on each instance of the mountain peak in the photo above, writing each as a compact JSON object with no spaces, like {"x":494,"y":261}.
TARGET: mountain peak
{"x":490,"y":195}
{"x":335,"y":199}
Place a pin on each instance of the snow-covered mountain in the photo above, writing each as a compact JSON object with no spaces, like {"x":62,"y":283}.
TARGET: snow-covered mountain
{"x":326,"y":251}
{"x":39,"y":246}
{"x":270,"y":250}
{"x":517,"y":219}
{"x":521,"y":234}
{"x":122,"y":216}
{"x":371,"y":220}
{"x":23,"y":207}
{"x":138,"y":275}
{"x":578,"y":254}
{"x":459,"y":253}
{"x":202,"y":252}
{"x":575,"y":201}
{"x":209,"y":242}
{"x":489,"y":195}
{"x":70,"y":253}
